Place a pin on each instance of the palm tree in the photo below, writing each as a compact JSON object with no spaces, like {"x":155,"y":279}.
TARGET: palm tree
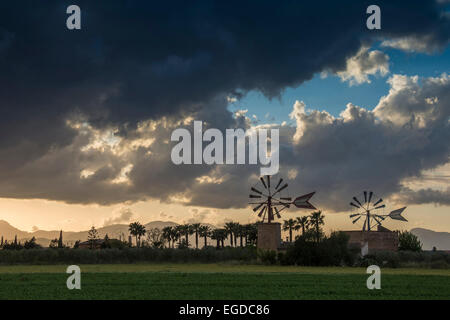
{"x":236,"y":228}
{"x":138,"y":230}
{"x":219,"y":235}
{"x":245,"y":232}
{"x":195,"y":229}
{"x":222,"y":235}
{"x":177,"y":233}
{"x":289,"y":225}
{"x":251,"y":231}
{"x":229,"y":227}
{"x":186,"y":230}
{"x":216,"y":234}
{"x":167,"y":233}
{"x":204,"y":231}
{"x":316,"y":220}
{"x":241,"y":233}
{"x":302,"y":223}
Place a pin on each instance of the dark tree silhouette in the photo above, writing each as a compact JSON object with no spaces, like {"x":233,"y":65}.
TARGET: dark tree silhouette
{"x":204,"y":232}
{"x":289,"y":226}
{"x":137,"y":230}
{"x":317,"y":220}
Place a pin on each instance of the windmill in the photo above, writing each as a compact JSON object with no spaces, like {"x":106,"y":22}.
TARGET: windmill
{"x":371,"y":211}
{"x":270,"y":198}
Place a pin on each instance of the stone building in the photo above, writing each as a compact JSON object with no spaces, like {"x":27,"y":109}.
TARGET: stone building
{"x":382,"y":239}
{"x":269,"y":236}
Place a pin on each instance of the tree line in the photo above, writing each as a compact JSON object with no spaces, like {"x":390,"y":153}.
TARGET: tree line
{"x":178,"y":236}
{"x":238,"y":235}
{"x":310,"y":226}
{"x":233,"y":234}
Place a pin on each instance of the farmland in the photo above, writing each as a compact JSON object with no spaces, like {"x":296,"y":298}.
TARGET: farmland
{"x":219,"y":281}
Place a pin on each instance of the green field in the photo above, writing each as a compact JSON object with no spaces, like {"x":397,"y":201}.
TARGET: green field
{"x":219,"y":281}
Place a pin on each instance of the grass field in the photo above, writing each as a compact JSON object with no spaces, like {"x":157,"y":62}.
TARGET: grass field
{"x":219,"y":281}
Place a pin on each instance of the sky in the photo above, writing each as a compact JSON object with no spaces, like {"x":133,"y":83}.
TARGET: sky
{"x":86,"y":115}
{"x":339,"y":93}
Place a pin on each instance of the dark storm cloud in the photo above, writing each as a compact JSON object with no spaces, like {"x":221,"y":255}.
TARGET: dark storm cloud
{"x":135,"y":60}
{"x":426,"y":196}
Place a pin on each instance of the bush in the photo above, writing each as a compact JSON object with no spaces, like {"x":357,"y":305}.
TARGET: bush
{"x":332,"y":251}
{"x":428,"y":259}
{"x":386,"y":259}
{"x":125,"y":255}
{"x":267,"y":256}
{"x":409,"y":242}
{"x":113,"y":244}
{"x":12,"y":246}
{"x":31,"y":244}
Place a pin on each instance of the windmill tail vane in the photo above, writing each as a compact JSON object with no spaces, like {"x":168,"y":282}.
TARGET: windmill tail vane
{"x":303,"y":201}
{"x":371,"y":211}
{"x":397,"y":214}
{"x":271,"y":200}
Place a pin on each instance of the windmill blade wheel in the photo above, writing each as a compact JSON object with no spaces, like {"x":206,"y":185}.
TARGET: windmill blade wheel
{"x":371,"y":212}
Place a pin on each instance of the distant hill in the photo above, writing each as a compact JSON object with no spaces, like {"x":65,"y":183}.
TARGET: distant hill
{"x":430,"y":239}
{"x":69,"y":237}
{"x":9,"y":232}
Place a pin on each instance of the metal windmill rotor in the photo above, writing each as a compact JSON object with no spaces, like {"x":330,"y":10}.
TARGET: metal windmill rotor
{"x":372,"y":212}
{"x":270,"y":199}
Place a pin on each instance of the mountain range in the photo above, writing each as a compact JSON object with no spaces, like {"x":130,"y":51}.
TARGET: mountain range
{"x":69,"y":237}
{"x":430,"y":239}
